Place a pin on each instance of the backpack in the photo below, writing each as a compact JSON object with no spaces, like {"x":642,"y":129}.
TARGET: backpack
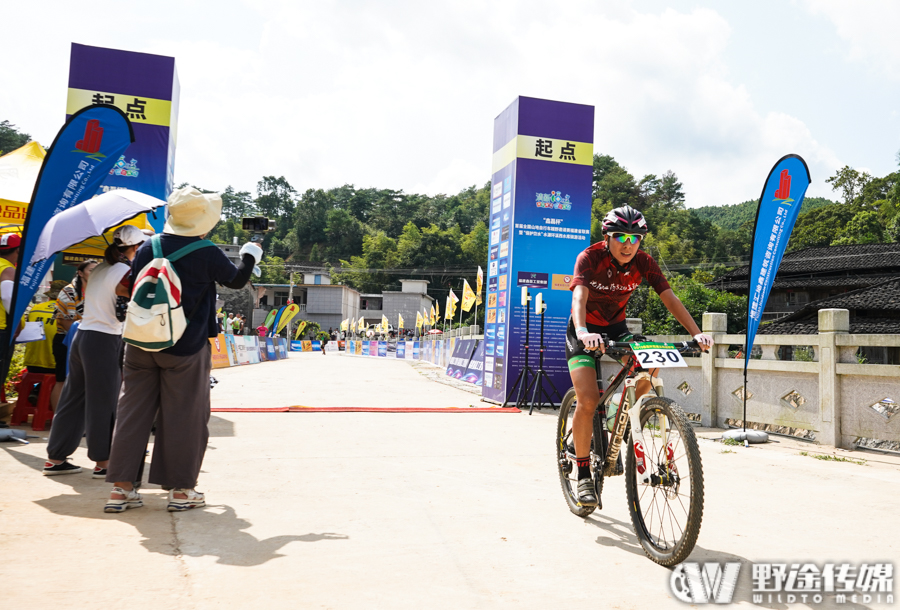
{"x":155,"y":318}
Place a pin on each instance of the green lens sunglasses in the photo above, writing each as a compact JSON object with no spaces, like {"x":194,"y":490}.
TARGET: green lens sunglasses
{"x":625,"y":238}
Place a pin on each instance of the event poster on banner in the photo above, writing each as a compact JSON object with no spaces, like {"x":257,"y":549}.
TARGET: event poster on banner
{"x":281,"y":347}
{"x":357,"y":348}
{"x":401,"y":349}
{"x":459,"y":359}
{"x":475,"y":371}
{"x":251,"y":348}
{"x":231,"y":350}
{"x":382,"y":349}
{"x":540,"y":220}
{"x":416,"y":348}
{"x":270,"y":349}
{"x":373,"y":348}
{"x":144,"y":87}
{"x":219,"y":352}
{"x":365,"y":347}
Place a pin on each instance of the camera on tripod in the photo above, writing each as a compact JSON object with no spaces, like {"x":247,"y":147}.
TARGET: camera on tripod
{"x":257,"y":225}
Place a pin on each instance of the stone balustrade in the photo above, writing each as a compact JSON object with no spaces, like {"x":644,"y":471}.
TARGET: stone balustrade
{"x":832,"y":398}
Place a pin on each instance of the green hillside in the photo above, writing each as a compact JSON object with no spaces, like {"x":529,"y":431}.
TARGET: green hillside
{"x":731,"y":217}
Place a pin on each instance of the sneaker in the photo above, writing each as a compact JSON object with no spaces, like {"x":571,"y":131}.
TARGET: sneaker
{"x":99,"y":473}
{"x":194,"y":499}
{"x":51,"y":469}
{"x":130,"y":499}
{"x":587,"y":495}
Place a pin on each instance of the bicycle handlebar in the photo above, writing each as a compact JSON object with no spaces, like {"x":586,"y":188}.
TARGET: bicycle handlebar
{"x":622,"y":348}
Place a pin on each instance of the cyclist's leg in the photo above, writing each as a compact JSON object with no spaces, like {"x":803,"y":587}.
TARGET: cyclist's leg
{"x":584,"y":380}
{"x":644,"y":385}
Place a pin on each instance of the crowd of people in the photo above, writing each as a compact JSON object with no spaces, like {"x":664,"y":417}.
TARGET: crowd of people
{"x":115,"y":394}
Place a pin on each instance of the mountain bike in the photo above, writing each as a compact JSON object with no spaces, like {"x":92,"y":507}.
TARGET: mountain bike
{"x":663,"y":472}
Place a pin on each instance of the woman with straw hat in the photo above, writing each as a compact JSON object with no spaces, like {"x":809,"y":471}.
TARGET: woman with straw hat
{"x":172,"y":386}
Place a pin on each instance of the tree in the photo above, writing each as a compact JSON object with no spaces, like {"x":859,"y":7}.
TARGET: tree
{"x":275,"y":197}
{"x":850,"y":182}
{"x":670,"y":193}
{"x":863,"y":228}
{"x":11,"y":138}
{"x":236,"y":205}
{"x":344,"y":235}
{"x":273,"y":271}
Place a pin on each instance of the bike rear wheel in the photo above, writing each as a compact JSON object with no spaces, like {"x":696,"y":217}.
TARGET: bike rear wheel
{"x":666,"y":513}
{"x":565,"y":460}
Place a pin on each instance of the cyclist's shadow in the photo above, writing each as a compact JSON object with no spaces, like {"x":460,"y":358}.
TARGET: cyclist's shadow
{"x":621,"y":535}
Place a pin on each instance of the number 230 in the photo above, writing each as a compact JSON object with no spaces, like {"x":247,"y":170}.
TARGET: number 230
{"x":653,"y":356}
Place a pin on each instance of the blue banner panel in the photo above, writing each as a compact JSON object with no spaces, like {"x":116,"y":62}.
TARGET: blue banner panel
{"x":540,"y":219}
{"x":459,"y":360}
{"x":382,"y":349}
{"x":475,"y":371}
{"x":270,"y":349}
{"x":401,"y":349}
{"x":779,"y":205}
{"x":365,"y":348}
{"x":416,"y":349}
{"x":145,"y":87}
{"x":79,"y":158}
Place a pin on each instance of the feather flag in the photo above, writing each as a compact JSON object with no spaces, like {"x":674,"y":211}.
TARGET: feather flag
{"x":419,"y":320}
{"x":479,"y":286}
{"x":300,"y":328}
{"x":400,"y":321}
{"x":468,"y":296}
{"x":289,"y":313}
{"x":362,"y":324}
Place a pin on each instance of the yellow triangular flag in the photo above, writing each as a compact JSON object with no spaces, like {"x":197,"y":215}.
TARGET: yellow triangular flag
{"x":384,"y":323}
{"x":468,"y":296}
{"x":362,"y":325}
{"x":431,"y":320}
{"x":400,"y":322}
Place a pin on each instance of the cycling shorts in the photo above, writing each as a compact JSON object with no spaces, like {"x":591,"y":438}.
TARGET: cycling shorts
{"x":575,"y":354}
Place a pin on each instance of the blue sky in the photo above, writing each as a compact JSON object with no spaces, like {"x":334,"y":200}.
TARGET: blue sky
{"x":403,"y":94}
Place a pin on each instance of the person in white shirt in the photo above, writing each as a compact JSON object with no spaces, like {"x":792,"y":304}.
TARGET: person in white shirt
{"x":87,"y":406}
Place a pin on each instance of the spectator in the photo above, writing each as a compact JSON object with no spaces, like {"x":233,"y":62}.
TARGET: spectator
{"x":239,"y":324}
{"x":220,"y":321}
{"x":87,"y":405}
{"x":262,"y":330}
{"x":172,"y":386}
{"x":39,"y":354}
{"x":69,"y":309}
{"x":9,"y":257}
{"x":229,"y":324}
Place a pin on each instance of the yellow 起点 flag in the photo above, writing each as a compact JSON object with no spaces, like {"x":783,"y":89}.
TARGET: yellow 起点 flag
{"x":468,"y":296}
{"x":419,"y":320}
{"x":362,"y":325}
{"x":432,"y":318}
{"x":448,"y":309}
{"x":399,"y":321}
{"x":345,"y":325}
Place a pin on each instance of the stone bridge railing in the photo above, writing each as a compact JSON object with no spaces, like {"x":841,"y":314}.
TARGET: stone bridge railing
{"x":831,"y":397}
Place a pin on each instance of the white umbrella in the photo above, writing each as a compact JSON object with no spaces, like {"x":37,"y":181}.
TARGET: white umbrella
{"x":90,"y":219}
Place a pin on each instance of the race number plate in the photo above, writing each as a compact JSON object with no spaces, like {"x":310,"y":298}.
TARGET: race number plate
{"x":657,"y":355}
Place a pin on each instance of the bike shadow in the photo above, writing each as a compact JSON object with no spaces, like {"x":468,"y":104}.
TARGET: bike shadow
{"x":215,"y":530}
{"x":623,"y":538}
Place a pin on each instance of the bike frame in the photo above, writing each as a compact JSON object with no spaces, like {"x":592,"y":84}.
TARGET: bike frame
{"x":628,"y":411}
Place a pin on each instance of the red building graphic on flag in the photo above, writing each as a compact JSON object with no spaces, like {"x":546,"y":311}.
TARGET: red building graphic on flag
{"x":784,"y":186}
{"x":93,"y":135}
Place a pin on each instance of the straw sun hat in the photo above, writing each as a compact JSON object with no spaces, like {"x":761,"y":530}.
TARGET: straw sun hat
{"x":190,"y":213}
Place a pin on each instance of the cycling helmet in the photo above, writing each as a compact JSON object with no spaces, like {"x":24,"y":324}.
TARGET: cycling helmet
{"x":625,"y":220}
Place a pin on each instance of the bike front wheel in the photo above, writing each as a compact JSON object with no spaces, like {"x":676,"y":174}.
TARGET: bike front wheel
{"x":666,"y":511}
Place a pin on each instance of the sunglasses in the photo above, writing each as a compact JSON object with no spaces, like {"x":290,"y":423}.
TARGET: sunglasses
{"x":625,"y":238}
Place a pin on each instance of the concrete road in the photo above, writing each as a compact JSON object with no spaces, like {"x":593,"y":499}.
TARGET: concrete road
{"x":420,"y":510}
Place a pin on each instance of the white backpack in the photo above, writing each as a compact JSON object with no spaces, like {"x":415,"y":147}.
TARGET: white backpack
{"x":155,"y":318}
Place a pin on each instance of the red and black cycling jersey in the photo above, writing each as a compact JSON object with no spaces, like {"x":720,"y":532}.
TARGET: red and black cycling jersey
{"x":610,"y":285}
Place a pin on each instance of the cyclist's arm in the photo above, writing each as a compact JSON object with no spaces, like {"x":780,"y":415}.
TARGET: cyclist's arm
{"x":579,"y":319}
{"x":677,"y":309}
{"x":579,"y":306}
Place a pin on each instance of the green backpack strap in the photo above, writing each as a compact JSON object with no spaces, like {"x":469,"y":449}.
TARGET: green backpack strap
{"x":157,"y":247}
{"x":197,"y":245}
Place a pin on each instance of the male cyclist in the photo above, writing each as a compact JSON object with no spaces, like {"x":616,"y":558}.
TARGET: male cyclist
{"x":605,"y":275}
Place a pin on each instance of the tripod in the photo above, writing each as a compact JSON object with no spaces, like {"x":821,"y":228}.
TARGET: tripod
{"x":538,"y":381}
{"x":522,"y":379}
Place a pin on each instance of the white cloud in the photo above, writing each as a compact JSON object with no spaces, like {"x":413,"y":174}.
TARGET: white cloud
{"x":869,"y":26}
{"x":403,"y":94}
